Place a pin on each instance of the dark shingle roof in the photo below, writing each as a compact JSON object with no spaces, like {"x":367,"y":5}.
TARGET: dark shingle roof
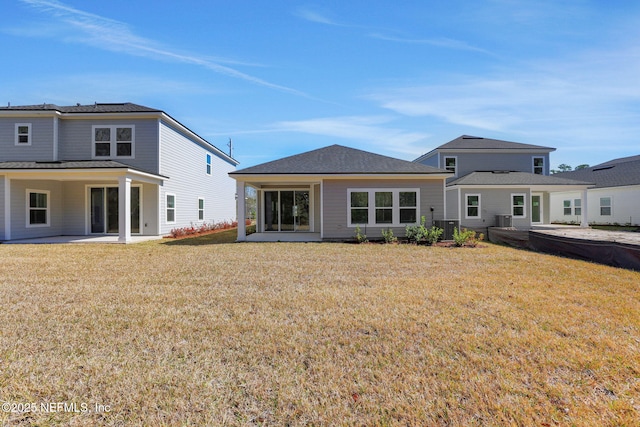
{"x":513,"y":179}
{"x":467,"y":142}
{"x":614,"y":173}
{"x":337,"y":159}
{"x":124,"y":107}
{"x":72,"y":164}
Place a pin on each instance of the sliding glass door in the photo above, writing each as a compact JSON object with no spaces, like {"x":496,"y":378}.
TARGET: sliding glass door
{"x":104,"y":210}
{"x":286,"y":210}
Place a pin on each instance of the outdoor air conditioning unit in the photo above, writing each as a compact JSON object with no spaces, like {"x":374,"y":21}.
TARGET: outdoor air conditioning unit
{"x":448,"y":225}
{"x":504,"y":221}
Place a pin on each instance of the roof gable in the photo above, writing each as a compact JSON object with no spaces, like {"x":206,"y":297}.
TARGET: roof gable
{"x":337,"y":159}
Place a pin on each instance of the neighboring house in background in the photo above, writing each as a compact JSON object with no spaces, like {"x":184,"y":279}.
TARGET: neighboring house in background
{"x":325,"y":193}
{"x":615,"y":199}
{"x":498,"y":183}
{"x":107,"y":169}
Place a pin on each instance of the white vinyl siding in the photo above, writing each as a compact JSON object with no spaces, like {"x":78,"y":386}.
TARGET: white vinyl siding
{"x":184,"y":162}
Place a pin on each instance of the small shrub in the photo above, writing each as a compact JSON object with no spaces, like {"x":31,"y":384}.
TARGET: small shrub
{"x":360,"y":236}
{"x":421,"y":234}
{"x":432,"y":235}
{"x":464,"y":238}
{"x":388,"y":236}
{"x":202,"y":228}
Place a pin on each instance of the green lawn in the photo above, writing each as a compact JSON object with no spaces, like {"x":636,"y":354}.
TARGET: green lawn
{"x":204,"y":331}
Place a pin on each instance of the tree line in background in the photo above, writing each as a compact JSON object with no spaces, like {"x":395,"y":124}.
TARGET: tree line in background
{"x":566,"y":168}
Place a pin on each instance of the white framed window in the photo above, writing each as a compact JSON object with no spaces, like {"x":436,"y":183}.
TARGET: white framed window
{"x":605,"y":206}
{"x":451,"y":164}
{"x":519,"y":205}
{"x":472,"y":206}
{"x":538,"y":165}
{"x":109,"y":142}
{"x":38,"y":208}
{"x":201,"y":209}
{"x":171,"y":208}
{"x":208,"y":164}
{"x":566,"y":207}
{"x":577,"y":207}
{"x":383,"y":207}
{"x":23,"y":134}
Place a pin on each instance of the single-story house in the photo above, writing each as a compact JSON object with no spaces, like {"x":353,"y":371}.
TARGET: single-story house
{"x":326,"y":193}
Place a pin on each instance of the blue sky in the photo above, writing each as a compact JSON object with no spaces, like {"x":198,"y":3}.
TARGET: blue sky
{"x":395,"y":78}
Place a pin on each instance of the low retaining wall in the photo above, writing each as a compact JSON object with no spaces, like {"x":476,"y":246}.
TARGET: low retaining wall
{"x":610,"y":253}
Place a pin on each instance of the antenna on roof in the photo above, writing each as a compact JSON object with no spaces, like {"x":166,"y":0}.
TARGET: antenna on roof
{"x":230,"y":145}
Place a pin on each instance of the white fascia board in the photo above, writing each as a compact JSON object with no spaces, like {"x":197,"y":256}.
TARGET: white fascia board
{"x":97,"y":174}
{"x":495,"y":150}
{"x":547,"y":188}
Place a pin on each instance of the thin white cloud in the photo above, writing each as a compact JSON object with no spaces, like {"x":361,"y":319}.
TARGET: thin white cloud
{"x":443,"y":42}
{"x":112,"y":35}
{"x":368,"y":130}
{"x":313,"y":16}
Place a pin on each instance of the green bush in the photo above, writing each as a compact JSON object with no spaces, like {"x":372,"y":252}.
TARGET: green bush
{"x":465,"y":237}
{"x":360,"y":236}
{"x":421,"y":234}
{"x":388,"y":236}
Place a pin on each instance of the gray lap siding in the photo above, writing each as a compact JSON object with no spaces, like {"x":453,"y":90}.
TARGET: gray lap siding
{"x":334,"y":193}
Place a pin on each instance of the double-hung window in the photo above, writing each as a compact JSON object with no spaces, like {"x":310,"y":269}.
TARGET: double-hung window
{"x":200,"y":209}
{"x":577,"y":207}
{"x":171,"y":208}
{"x":518,"y":205}
{"x":605,"y":206}
{"x":472,"y":206}
{"x":566,"y":206}
{"x":37,"y":208}
{"x":23,"y":134}
{"x":383,"y":207}
{"x":451,"y":164}
{"x":208,"y":164}
{"x":111,"y":142}
{"x":538,"y":165}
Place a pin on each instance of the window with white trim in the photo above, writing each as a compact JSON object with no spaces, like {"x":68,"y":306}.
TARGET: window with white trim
{"x":566,"y":207}
{"x":577,"y":207}
{"x":538,"y":165}
{"x":518,"y":205}
{"x":208,"y":164}
{"x":472,"y":206}
{"x":171,"y":208}
{"x":451,"y":164}
{"x":383,"y":207}
{"x":111,"y":142}
{"x":200,"y":209}
{"x":605,"y":206}
{"x":23,"y":134}
{"x":37,"y":208}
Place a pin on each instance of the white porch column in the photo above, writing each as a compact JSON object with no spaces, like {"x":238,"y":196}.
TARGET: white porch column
{"x":240,"y":215}
{"x":584,"y":221}
{"x":7,"y":208}
{"x":124,"y":209}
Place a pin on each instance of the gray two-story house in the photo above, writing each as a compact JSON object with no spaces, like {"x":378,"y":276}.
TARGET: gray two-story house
{"x":498,"y":183}
{"x":107,"y":169}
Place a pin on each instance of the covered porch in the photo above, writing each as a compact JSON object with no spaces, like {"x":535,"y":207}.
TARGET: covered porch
{"x":93,"y":199}
{"x":285,"y":210}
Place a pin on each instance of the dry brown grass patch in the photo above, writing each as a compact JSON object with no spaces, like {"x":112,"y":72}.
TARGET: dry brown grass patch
{"x":321,"y":334}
